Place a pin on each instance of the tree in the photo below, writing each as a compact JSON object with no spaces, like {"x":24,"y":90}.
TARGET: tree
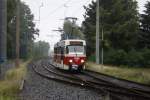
{"x":71,"y":30}
{"x":11,"y":17}
{"x":41,"y":49}
{"x":119,"y":20}
{"x":88,"y":27}
{"x":144,"y":35}
{"x":27,"y":31}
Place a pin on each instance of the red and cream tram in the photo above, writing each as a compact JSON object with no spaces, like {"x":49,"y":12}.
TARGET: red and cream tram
{"x":70,"y":54}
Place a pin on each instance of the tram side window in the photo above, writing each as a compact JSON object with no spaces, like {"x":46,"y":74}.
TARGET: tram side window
{"x":54,"y":50}
{"x":59,"y":50}
{"x":62,"y":50}
{"x":84,"y":49}
{"x":67,"y":50}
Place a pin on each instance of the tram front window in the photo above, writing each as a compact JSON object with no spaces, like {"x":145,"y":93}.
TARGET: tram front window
{"x":75,"y":49}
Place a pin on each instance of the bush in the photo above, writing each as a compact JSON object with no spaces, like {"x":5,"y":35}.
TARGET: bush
{"x":134,"y":58}
{"x":115,"y":57}
{"x":146,"y":57}
{"x":120,"y":57}
{"x":92,"y":58}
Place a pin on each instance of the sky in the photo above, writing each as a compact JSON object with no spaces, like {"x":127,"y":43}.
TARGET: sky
{"x":52,"y":12}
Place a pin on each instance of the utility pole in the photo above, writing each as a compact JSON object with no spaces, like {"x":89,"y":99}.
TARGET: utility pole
{"x":3,"y":32}
{"x":102,"y":55}
{"x":97,"y":32}
{"x":18,"y":34}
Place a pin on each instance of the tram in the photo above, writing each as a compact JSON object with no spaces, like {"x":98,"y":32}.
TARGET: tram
{"x":70,"y":54}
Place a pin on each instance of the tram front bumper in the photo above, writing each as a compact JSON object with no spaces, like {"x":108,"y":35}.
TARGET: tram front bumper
{"x":76,"y":67}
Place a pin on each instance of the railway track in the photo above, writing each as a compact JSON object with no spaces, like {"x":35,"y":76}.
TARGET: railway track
{"x":99,"y":85}
{"x":130,"y":88}
{"x":105,"y":84}
{"x":93,"y":74}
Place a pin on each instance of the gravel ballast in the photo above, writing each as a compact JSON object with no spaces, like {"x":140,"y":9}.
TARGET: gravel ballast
{"x":38,"y":88}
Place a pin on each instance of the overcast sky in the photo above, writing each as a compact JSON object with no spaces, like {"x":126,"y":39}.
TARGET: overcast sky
{"x":52,"y":13}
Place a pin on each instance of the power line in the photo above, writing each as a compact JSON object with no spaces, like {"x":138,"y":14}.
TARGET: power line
{"x":77,"y":10}
{"x":65,"y":11}
{"x":52,"y":12}
{"x":62,"y":5}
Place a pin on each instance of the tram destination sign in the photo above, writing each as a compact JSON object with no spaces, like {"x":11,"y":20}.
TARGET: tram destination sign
{"x":76,"y":43}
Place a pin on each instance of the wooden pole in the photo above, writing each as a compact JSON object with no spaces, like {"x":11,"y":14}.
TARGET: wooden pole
{"x":18,"y":34}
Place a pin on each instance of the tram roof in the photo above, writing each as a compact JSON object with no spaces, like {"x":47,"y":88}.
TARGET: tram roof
{"x":67,"y":42}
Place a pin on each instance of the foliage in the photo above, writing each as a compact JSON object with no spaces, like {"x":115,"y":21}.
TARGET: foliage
{"x":11,"y":13}
{"x":122,"y":34}
{"x":119,"y":20}
{"x":41,"y":49}
{"x":144,"y":34}
{"x":27,"y":29}
{"x":71,"y":30}
{"x":9,"y":87}
{"x":115,"y":57}
{"x":132,"y":58}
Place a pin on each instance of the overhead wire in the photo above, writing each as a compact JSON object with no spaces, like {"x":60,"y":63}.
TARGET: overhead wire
{"x":53,"y":11}
{"x":77,"y":10}
{"x":62,"y":5}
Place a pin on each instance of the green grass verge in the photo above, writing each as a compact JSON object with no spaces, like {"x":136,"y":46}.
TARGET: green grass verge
{"x":9,"y":87}
{"x":136,"y":74}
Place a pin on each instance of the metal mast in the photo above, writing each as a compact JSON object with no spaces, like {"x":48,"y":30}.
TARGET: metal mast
{"x":97,"y":32}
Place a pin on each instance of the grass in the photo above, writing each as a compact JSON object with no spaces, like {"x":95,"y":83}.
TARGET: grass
{"x":136,"y":74}
{"x":9,"y":87}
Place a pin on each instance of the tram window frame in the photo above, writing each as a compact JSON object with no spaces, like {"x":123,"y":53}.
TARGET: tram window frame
{"x":55,"y":50}
{"x":85,"y":49}
{"x":59,"y":50}
{"x":62,"y":52}
{"x":67,"y":49}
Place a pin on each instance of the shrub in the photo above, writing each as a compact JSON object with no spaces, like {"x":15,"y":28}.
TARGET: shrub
{"x":115,"y":57}
{"x":120,"y":57}
{"x":146,"y":57}
{"x":92,"y":58}
{"x":134,"y":58}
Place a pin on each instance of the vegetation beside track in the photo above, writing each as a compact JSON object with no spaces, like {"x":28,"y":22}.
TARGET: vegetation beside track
{"x":10,"y":86}
{"x":136,"y":74}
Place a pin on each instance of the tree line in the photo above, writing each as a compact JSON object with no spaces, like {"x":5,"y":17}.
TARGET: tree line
{"x":27,"y":31}
{"x":126,"y":32}
{"x":71,"y":31}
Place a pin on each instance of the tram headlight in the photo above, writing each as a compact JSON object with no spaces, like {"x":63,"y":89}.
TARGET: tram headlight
{"x":82,"y":61}
{"x":70,"y":60}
